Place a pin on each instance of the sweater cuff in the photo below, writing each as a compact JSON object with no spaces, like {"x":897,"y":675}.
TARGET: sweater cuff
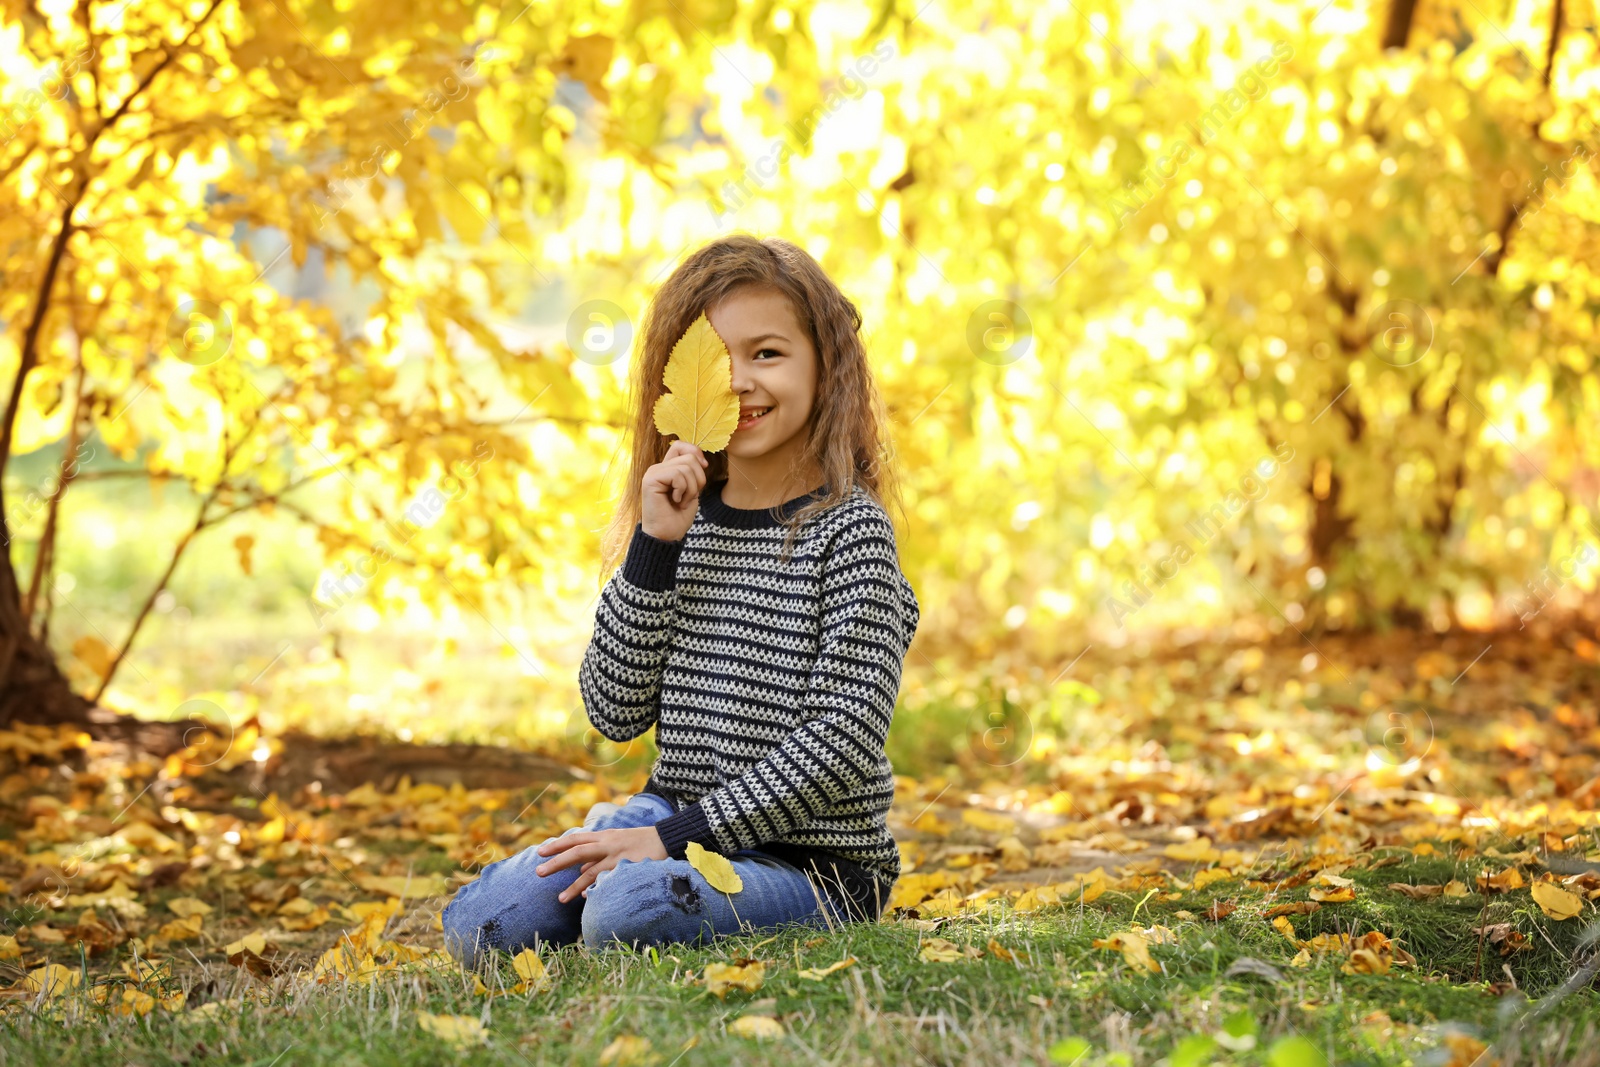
{"x":679,"y":828}
{"x":651,"y":562}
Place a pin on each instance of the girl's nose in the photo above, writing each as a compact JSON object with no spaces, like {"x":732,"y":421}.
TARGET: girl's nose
{"x":740,"y":378}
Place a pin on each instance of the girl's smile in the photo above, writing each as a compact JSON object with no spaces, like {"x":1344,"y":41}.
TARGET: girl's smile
{"x":749,"y":418}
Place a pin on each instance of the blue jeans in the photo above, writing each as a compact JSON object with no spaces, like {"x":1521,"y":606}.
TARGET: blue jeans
{"x":638,"y":902}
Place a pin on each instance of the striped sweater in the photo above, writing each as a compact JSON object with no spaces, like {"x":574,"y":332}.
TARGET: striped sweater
{"x":771,"y":685}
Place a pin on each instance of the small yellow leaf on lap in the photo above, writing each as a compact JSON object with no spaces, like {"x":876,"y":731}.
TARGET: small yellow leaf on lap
{"x":714,"y":867}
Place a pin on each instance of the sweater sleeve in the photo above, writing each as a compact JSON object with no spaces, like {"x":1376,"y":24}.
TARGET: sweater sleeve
{"x":620,"y":678}
{"x":869,"y":617}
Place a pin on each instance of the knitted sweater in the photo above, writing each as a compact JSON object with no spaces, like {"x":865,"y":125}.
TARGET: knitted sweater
{"x":771,"y":685}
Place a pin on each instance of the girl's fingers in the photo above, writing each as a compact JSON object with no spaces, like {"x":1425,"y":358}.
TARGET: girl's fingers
{"x":571,"y":856}
{"x":564,"y":841}
{"x":583,"y":882}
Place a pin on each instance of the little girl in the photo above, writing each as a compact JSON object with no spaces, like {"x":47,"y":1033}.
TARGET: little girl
{"x":759,"y":620}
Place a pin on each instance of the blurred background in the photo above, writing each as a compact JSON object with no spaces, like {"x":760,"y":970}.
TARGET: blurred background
{"x":1240,"y":356}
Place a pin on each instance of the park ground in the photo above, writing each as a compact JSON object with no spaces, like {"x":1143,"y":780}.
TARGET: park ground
{"x":1383,"y":854}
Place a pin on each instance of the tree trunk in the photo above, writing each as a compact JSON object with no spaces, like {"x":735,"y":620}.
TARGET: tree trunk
{"x":1397,"y":30}
{"x":33,"y":688}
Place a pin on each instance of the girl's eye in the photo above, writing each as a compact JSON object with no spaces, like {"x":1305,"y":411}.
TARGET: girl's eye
{"x":774,"y":351}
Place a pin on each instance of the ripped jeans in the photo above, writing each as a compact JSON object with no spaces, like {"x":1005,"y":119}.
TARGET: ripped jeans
{"x":638,"y":902}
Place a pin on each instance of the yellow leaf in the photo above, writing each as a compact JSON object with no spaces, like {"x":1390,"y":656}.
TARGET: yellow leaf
{"x":1417,"y":892}
{"x":243,"y":544}
{"x":1286,"y":928}
{"x":938,"y":950}
{"x":402,"y":885}
{"x":530,"y":968}
{"x":1159,"y":935}
{"x":1014,"y":855}
{"x":701,"y":407}
{"x":305,"y":920}
{"x":1510,"y":878}
{"x":94,"y":654}
{"x":479,"y":989}
{"x":721,"y":977}
{"x":1092,"y":892}
{"x":1322,"y":943}
{"x":1207,"y":877}
{"x":999,"y":951}
{"x":185,"y":929}
{"x":756,"y":1026}
{"x":817,"y":974}
{"x":463,"y":1031}
{"x":628,"y":1050}
{"x":989,"y":820}
{"x":187,"y":906}
{"x":53,"y":980}
{"x":9,"y":949}
{"x":714,"y":867}
{"x":256,"y":943}
{"x":1134,"y":948}
{"x":134,"y":1002}
{"x":587,"y":59}
{"x":1035,"y":897}
{"x":1199,"y":850}
{"x":1366,"y":961}
{"x":1342,"y":895}
{"x":1468,"y":1051}
{"x":1555,"y":902}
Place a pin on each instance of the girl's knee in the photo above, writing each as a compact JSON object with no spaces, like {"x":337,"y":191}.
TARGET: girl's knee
{"x":641,"y":902}
{"x":463,"y":932}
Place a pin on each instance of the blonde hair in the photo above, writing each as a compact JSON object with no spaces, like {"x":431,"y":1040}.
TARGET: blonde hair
{"x":846,"y":437}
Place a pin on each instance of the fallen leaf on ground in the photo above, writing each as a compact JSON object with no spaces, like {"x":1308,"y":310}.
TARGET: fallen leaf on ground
{"x":756,"y":1026}
{"x":531,"y":969}
{"x":816,"y":974}
{"x":1555,"y":902}
{"x":1134,"y":948}
{"x":53,"y":980}
{"x":463,"y":1031}
{"x":938,"y":950}
{"x":745,"y":974}
{"x":628,"y":1050}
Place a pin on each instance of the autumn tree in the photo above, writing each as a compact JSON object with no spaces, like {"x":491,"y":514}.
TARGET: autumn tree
{"x":144,"y":140}
{"x":1116,"y":264}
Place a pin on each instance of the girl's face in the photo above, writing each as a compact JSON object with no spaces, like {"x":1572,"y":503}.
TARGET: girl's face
{"x":775,"y":371}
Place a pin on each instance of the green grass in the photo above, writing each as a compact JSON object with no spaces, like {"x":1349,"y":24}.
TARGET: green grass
{"x":891,"y":1007}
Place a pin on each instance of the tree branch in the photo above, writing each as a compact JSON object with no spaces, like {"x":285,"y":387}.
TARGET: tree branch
{"x":44,"y":555}
{"x":230,"y":451}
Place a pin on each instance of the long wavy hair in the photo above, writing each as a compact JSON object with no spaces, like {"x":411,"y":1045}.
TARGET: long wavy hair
{"x":846,"y":436}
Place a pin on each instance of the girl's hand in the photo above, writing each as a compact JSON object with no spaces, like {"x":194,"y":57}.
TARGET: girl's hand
{"x":599,"y":850}
{"x":670,"y":492}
